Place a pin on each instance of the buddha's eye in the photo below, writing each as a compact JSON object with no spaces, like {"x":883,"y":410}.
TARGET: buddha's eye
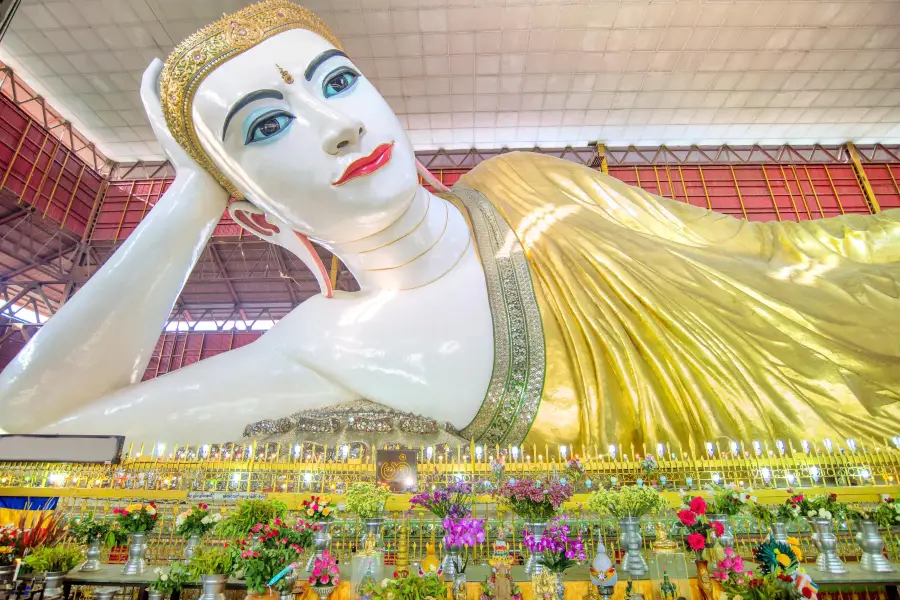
{"x":339,"y":81}
{"x":268,"y":126}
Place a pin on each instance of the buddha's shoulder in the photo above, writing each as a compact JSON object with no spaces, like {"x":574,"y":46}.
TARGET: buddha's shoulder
{"x":523,"y":162}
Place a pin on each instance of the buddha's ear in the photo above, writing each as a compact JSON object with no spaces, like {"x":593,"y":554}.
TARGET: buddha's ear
{"x":276,"y":231}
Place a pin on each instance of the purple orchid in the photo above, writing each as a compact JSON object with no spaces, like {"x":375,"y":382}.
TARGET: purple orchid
{"x":557,"y":548}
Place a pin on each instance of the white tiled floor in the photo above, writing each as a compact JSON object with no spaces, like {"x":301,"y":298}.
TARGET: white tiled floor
{"x":491,"y":73}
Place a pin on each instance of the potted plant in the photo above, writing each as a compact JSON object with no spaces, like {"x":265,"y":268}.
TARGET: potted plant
{"x":727,"y":501}
{"x":821,"y":512}
{"x":211,"y":566}
{"x":574,"y":471}
{"x":54,"y":562}
{"x":366,"y":501}
{"x":460,"y":536}
{"x":536,"y":501}
{"x":320,"y":511}
{"x":408,"y":586}
{"x":450,"y":501}
{"x":137,"y":520}
{"x":90,"y":532}
{"x":868,"y":519}
{"x":558,"y":550}
{"x":697,"y":532}
{"x":248,"y":513}
{"x":324,"y":577}
{"x":628,"y":505}
{"x":47,"y":529}
{"x":9,"y":540}
{"x":167,"y":582}
{"x":777,"y":517}
{"x":269,"y":551}
{"x":193,"y":524}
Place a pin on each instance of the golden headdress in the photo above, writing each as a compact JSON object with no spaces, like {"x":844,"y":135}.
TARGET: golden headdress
{"x":200,"y":54}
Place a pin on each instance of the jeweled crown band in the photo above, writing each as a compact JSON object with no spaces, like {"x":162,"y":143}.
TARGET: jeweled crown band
{"x":200,"y":54}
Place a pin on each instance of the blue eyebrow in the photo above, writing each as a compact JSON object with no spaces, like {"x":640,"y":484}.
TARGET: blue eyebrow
{"x":251,"y":97}
{"x":317,"y":61}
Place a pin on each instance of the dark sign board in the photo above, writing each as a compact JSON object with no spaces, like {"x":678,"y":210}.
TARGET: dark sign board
{"x":397,"y":468}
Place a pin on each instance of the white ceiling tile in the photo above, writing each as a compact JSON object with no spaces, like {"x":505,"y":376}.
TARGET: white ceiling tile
{"x":40,"y":16}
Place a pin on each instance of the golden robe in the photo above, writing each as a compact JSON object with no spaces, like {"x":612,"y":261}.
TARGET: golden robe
{"x":665,"y":322}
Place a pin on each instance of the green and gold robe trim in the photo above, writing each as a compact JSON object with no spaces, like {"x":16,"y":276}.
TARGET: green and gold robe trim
{"x":517,"y":380}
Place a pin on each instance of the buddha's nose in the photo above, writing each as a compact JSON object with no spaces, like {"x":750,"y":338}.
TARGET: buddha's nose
{"x":343,"y":136}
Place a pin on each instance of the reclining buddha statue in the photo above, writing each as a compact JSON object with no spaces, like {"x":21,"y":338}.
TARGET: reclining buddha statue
{"x":537,"y":301}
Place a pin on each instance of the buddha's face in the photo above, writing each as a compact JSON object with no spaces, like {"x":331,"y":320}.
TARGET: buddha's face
{"x":325,"y":153}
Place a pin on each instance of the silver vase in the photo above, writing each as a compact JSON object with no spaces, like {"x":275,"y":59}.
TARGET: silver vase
{"x":155,"y":595}
{"x":53,"y":582}
{"x":373,"y":527}
{"x":108,"y":593}
{"x":560,"y":587}
{"x":632,"y":541}
{"x":323,"y":591}
{"x":779,"y":531}
{"x":869,"y":539}
{"x":532,"y":565}
{"x":6,"y":573}
{"x":320,"y":544}
{"x":459,"y":586}
{"x":726,"y":540}
{"x":287,"y":593}
{"x":450,"y":563}
{"x":213,"y":587}
{"x":93,"y":557}
{"x":137,"y":548}
{"x":192,"y":544}
{"x":826,"y":543}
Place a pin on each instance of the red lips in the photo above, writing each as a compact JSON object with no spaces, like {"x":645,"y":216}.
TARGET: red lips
{"x":367,"y":164}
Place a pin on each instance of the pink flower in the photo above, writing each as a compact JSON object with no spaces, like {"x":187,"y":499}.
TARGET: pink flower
{"x":696,"y":541}
{"x":325,"y":580}
{"x":718,"y":528}
{"x":698,"y":505}
{"x":687,"y":517}
{"x":738,"y":564}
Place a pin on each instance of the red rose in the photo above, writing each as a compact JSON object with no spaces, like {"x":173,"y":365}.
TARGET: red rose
{"x":687,"y":517}
{"x":807,"y":592}
{"x":718,"y":528}
{"x":696,"y":541}
{"x":698,"y":505}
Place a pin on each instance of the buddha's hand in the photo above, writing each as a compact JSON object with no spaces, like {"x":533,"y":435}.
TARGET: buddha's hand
{"x":185,"y":166}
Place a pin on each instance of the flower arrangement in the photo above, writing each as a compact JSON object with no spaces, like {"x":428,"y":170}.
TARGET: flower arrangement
{"x":325,"y":572}
{"x":729,"y":500}
{"x":172,"y":580}
{"x":136,"y":518}
{"x":630,"y":501}
{"x":463,"y":533}
{"x":534,"y":500}
{"x":196,"y":521}
{"x":649,"y":465}
{"x":498,"y":465}
{"x":48,"y":529}
{"x":826,"y":506}
{"x":557,"y":548}
{"x":53,"y":559}
{"x":318,"y":509}
{"x":768,"y":514}
{"x":268,"y":549}
{"x":406,"y":587}
{"x":779,"y":578}
{"x":366,"y":500}
{"x":693,"y":518}
{"x":86,"y":529}
{"x":574,"y":470}
{"x":453,"y":501}
{"x":250,"y":512}
{"x":9,"y":540}
{"x":489,"y":586}
{"x":886,"y":513}
{"x":211,"y":560}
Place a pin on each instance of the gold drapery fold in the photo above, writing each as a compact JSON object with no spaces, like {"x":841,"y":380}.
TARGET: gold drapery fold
{"x":665,"y":321}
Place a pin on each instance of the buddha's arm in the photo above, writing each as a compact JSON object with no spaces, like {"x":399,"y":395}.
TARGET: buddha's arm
{"x":101,"y":339}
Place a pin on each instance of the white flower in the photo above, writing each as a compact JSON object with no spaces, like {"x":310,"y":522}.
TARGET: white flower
{"x":385,"y":582}
{"x":205,"y":520}
{"x":164,"y":577}
{"x":824,"y":513}
{"x":216,"y":517}
{"x":158,"y":571}
{"x":811,"y":514}
{"x":179,"y":521}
